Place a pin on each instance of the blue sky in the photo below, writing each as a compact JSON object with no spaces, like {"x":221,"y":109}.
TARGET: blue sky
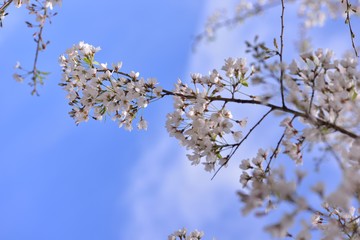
{"x":96,"y":181}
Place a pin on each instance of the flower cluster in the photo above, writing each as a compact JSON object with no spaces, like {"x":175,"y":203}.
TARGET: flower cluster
{"x":42,"y":10}
{"x":321,"y":100}
{"x":325,"y":87}
{"x":244,"y":9}
{"x":201,"y":122}
{"x":321,"y":94}
{"x":96,"y":90}
{"x":312,"y":14}
{"x":203,"y":125}
{"x":315,"y":13}
{"x":47,"y":3}
{"x":325,"y":90}
{"x":181,"y":234}
{"x":339,"y":218}
{"x":292,"y":149}
{"x":267,"y":189}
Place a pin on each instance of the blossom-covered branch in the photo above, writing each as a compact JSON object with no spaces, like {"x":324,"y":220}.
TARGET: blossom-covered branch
{"x":3,"y":12}
{"x":244,"y":11}
{"x":319,"y":92}
{"x":181,"y":234}
{"x":313,"y":14}
{"x":349,"y":9}
{"x":43,"y":10}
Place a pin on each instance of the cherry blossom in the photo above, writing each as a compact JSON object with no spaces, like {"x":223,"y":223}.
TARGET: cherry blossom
{"x":319,"y":90}
{"x":311,"y":97}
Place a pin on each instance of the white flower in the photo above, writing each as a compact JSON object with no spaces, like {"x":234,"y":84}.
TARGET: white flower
{"x":293,"y":67}
{"x":157,"y":91}
{"x":245,"y":164}
{"x":142,"y":102}
{"x":104,"y":66}
{"x":280,"y":230}
{"x":134,"y":74}
{"x":237,"y":136}
{"x":117,"y":66}
{"x":195,"y":235}
{"x":225,"y":126}
{"x":18,"y":77}
{"x":50,"y":3}
{"x":142,"y":124}
{"x":257,"y":161}
{"x":262,"y":153}
{"x":87,"y":49}
{"x":244,"y":178}
{"x":18,"y":3}
{"x":180,"y":232}
{"x":18,"y":65}
{"x":354,"y":152}
{"x":194,"y":158}
{"x":316,"y":220}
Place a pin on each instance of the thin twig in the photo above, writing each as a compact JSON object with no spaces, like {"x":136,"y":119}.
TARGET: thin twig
{"x":39,"y":47}
{"x":3,"y":9}
{"x":313,"y":89}
{"x":282,"y":70}
{"x":267,"y":169}
{"x":5,"y":5}
{"x":353,"y":220}
{"x":348,"y":21}
{"x":231,"y":21}
{"x":313,"y":119}
{"x":238,"y":145}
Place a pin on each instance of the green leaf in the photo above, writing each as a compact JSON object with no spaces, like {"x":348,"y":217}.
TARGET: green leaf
{"x":213,"y":137}
{"x":263,"y":47}
{"x":44,"y":73}
{"x":87,"y":61}
{"x":275,"y":44}
{"x":354,"y":95}
{"x":244,"y":82}
{"x":102,"y":111}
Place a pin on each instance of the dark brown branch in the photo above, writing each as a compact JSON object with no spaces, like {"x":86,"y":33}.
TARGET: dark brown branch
{"x":3,"y":9}
{"x":348,"y":21}
{"x":242,"y":140}
{"x":315,"y":120}
{"x":5,"y":5}
{"x":267,"y":169}
{"x":39,"y":47}
{"x":282,"y":71}
{"x":118,"y":72}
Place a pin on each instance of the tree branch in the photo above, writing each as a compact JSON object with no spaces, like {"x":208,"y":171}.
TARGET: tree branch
{"x":3,"y":9}
{"x":313,"y":119}
{"x":39,"y":47}
{"x":348,"y":21}
{"x":238,"y":144}
{"x":5,"y":5}
{"x":282,"y":71}
{"x":230,"y":21}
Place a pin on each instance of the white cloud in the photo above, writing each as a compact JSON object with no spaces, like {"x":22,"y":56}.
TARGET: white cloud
{"x":167,"y":193}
